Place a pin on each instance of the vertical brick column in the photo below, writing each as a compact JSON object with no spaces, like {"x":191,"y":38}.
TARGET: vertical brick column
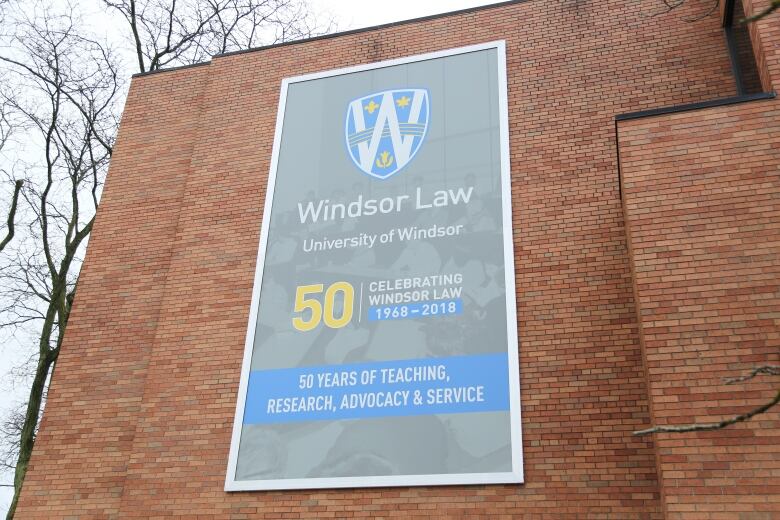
{"x":701,"y":195}
{"x":765,"y":35}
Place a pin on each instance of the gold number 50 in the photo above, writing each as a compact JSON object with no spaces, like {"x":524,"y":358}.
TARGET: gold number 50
{"x":302,"y":303}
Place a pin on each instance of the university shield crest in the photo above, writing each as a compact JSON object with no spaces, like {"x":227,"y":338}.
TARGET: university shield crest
{"x":385,"y":130}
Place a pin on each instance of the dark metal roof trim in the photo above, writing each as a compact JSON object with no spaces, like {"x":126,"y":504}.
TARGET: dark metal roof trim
{"x":696,"y":106}
{"x":180,"y":67}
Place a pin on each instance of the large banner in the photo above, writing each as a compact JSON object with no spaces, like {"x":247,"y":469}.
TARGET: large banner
{"x":382,"y":343}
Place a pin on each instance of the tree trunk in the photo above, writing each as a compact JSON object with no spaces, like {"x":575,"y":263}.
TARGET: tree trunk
{"x":27,"y":439}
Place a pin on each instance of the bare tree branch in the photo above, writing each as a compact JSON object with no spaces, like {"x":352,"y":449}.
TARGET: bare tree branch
{"x":12,"y":214}
{"x":769,"y":370}
{"x":671,"y":5}
{"x":695,"y":427}
{"x":11,"y":429}
{"x":183,"y":32}
{"x":772,"y":7}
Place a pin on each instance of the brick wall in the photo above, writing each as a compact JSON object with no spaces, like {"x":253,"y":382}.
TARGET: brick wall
{"x":702,"y":200}
{"x":141,"y":406}
{"x":701,"y":195}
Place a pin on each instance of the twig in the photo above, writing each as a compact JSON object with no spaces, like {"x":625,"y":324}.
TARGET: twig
{"x":763,"y":369}
{"x":756,"y":17}
{"x":696,"y":427}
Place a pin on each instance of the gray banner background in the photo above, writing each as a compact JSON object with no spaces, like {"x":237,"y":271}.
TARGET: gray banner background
{"x":461,"y":149}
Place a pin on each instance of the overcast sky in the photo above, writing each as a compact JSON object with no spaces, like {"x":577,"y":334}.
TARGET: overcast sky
{"x":348,"y":14}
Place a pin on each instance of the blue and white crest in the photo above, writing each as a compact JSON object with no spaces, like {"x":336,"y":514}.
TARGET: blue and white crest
{"x":384,"y":130}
